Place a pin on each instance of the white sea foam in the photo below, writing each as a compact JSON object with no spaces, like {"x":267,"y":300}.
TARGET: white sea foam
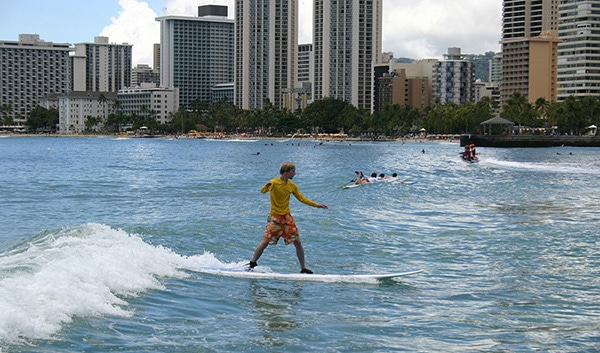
{"x":540,"y":167}
{"x":91,"y":270}
{"x":85,"y":271}
{"x":231,"y":140}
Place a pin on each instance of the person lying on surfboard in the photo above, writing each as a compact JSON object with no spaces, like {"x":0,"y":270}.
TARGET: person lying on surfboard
{"x":280,"y":223}
{"x":360,"y":178}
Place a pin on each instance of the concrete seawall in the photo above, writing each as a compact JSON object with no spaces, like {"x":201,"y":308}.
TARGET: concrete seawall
{"x":530,"y":141}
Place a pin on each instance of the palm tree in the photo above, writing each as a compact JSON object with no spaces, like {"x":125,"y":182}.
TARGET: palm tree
{"x":590,"y":107}
{"x":5,"y":109}
{"x":117,"y":105}
{"x":541,"y":107}
{"x":102,"y":100}
{"x":120,"y":118}
{"x":518,"y":109}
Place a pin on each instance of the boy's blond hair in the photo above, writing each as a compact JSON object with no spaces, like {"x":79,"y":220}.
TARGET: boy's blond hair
{"x":286,"y":167}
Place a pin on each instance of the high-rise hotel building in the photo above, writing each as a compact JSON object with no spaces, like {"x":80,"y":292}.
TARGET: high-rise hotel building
{"x":30,"y":69}
{"x":530,"y":49}
{"x":196,"y":53}
{"x":266,"y":43}
{"x":347,"y":43}
{"x":101,"y":66}
{"x":579,"y":50}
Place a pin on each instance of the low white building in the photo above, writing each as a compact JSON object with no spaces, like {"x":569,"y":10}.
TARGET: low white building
{"x":76,"y":107}
{"x":149,"y":99}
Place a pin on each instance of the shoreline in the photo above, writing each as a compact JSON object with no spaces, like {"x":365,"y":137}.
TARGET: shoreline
{"x":417,"y":139}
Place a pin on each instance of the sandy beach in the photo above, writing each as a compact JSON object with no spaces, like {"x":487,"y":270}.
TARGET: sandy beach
{"x":306,"y":138}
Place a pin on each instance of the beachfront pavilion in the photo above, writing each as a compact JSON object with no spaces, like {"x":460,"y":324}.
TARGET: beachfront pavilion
{"x":496,"y":121}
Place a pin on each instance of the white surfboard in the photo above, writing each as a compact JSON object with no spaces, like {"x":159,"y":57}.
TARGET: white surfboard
{"x":391,"y":180}
{"x":343,"y":278}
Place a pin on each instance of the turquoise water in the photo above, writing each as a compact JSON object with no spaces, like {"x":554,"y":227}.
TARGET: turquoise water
{"x":101,"y":241}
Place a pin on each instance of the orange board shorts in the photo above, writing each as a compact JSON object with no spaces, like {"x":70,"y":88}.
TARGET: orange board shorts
{"x":281,"y":226}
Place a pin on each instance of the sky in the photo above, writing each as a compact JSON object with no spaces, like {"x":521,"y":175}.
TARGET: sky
{"x":417,"y":29}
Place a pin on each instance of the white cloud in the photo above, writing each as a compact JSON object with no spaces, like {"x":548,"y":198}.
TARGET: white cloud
{"x":427,"y":28}
{"x":135,"y":25}
{"x":305,"y":18}
{"x":190,"y":7}
{"x":415,"y":29}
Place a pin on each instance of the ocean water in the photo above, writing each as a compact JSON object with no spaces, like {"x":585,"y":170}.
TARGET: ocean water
{"x":102,"y":243}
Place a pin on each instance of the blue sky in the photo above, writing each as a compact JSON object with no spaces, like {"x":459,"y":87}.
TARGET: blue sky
{"x":55,"y":21}
{"x":417,"y":29}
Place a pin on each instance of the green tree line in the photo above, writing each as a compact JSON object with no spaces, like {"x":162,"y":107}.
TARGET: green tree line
{"x":330,"y":115}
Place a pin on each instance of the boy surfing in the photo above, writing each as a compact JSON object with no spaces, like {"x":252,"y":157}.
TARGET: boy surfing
{"x":280,"y":223}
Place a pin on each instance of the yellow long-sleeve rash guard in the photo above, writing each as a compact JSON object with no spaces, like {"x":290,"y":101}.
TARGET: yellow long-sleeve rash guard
{"x":280,"y":196}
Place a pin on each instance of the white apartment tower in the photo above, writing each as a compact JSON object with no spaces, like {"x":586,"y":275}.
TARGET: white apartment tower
{"x":196,"y":53}
{"x":306,"y":67}
{"x":266,"y":42}
{"x":454,"y":78}
{"x":101,"y":66}
{"x":30,"y":69}
{"x":579,"y":51}
{"x":347,"y":44}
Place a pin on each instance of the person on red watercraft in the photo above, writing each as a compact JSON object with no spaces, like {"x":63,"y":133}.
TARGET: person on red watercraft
{"x":467,"y":153}
{"x":473,"y":152}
